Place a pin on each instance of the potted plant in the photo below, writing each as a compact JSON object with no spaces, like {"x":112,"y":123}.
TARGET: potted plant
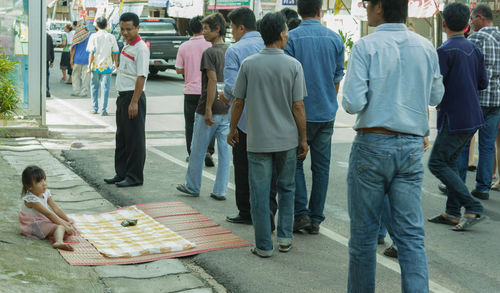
{"x":348,"y":43}
{"x":10,"y":103}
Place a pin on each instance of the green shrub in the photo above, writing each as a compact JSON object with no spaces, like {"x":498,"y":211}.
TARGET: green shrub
{"x":10,"y":102}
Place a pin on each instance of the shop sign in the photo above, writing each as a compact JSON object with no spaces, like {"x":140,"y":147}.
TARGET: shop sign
{"x":228,"y":4}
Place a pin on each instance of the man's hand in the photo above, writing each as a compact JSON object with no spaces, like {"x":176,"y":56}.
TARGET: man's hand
{"x":208,"y":118}
{"x":133,"y":110}
{"x":51,"y":64}
{"x":71,"y":63}
{"x":302,"y":149}
{"x":426,"y":143}
{"x":223,"y":99}
{"x":233,"y":137}
{"x":89,"y":70}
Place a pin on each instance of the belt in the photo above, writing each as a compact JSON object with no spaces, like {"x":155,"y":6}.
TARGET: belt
{"x":381,"y":130}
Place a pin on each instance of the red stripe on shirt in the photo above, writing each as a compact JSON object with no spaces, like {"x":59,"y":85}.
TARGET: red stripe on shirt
{"x":127,"y":55}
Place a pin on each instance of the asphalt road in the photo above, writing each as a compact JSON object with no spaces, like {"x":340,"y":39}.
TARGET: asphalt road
{"x":458,"y":261}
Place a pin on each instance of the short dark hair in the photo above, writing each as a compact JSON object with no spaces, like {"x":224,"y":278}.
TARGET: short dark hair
{"x":395,"y":11}
{"x":75,"y":23}
{"x":101,"y":22}
{"x":456,"y":15}
{"x":271,"y":27}
{"x":257,"y":24}
{"x":243,"y":16}
{"x":130,"y":16}
{"x":215,"y":20}
{"x":195,"y":24}
{"x":309,"y":8}
{"x":484,"y":10}
{"x":293,"y":23}
{"x":289,"y":13}
{"x":31,"y":174}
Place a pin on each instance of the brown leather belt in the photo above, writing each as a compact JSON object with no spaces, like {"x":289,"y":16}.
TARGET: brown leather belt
{"x":380,"y":130}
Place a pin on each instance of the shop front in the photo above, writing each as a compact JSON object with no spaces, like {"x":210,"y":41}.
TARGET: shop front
{"x":21,"y":24}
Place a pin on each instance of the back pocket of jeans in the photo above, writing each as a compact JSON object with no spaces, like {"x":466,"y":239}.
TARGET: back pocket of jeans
{"x":371,"y":163}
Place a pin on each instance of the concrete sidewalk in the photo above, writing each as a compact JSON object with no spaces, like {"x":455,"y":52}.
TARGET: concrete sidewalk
{"x":28,"y":265}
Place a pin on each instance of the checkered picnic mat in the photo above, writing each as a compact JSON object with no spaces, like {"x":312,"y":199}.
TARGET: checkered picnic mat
{"x":105,"y":232}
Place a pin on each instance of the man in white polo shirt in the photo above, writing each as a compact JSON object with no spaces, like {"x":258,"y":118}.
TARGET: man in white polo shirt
{"x":130,"y":152}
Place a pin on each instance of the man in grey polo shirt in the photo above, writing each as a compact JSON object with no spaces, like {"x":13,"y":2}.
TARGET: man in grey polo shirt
{"x":273,"y":86}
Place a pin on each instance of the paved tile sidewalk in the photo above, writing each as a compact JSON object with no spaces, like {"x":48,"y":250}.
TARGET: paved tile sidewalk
{"x":28,"y":265}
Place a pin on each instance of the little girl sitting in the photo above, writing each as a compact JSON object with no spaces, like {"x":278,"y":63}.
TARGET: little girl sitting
{"x":36,"y":220}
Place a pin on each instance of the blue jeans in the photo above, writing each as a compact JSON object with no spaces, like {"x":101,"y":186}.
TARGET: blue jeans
{"x":260,"y":173}
{"x":385,"y":220}
{"x":383,"y":165}
{"x":319,"y":138}
{"x":100,"y":81}
{"x":443,"y":164}
{"x":202,"y":135}
{"x":487,"y":136}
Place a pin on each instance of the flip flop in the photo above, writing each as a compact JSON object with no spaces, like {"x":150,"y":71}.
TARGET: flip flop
{"x":182,"y":188}
{"x":254,"y":251}
{"x":495,"y":187}
{"x":439,"y":219}
{"x":217,"y":197}
{"x":467,"y":222}
{"x":285,"y":248}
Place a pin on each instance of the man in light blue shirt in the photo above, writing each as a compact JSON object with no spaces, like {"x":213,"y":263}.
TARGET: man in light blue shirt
{"x":321,"y":53}
{"x":248,"y":42}
{"x":392,"y":77}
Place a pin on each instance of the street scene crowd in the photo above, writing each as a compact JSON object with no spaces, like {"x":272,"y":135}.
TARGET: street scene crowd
{"x":272,"y":97}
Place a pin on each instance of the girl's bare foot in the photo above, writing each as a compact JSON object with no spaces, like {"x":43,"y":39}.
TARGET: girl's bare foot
{"x":63,"y":246}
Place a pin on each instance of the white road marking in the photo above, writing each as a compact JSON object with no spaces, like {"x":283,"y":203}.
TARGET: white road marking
{"x":381,"y":259}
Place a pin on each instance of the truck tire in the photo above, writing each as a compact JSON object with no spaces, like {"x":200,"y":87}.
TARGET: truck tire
{"x":153,"y":71}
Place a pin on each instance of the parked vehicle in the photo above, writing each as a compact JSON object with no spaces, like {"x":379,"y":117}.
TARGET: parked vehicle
{"x":55,"y":28}
{"x":162,"y":38}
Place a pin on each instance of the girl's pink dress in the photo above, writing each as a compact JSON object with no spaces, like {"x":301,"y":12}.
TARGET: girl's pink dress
{"x":32,"y":223}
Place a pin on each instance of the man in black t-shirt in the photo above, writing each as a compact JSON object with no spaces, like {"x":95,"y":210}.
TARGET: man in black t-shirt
{"x":211,"y":117}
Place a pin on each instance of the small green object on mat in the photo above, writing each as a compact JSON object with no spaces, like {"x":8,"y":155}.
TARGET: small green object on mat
{"x":129,"y":222}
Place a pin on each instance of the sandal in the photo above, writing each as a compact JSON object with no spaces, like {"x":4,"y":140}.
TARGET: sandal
{"x":440,"y":219}
{"x":217,"y":197}
{"x":496,"y":187}
{"x":467,"y":222}
{"x":285,"y":248}
{"x":254,"y":251}
{"x":182,"y":188}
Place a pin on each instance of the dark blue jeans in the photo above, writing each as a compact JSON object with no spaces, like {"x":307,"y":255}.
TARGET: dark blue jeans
{"x":487,"y":136}
{"x":319,"y":138}
{"x":443,"y":164}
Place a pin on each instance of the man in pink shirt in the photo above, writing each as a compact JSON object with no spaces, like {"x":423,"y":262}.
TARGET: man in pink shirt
{"x":188,"y":64}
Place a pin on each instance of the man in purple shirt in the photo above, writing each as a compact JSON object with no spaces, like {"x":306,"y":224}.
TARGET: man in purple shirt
{"x":459,"y":116}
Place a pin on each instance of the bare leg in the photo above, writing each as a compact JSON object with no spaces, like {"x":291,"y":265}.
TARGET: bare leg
{"x":471,"y":151}
{"x":59,"y":243}
{"x":64,"y":74}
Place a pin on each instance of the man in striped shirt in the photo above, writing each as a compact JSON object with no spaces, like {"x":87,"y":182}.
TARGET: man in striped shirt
{"x":487,"y":38}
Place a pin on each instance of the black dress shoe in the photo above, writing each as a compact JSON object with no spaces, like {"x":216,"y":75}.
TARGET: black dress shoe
{"x":113,"y":180}
{"x":237,"y":219}
{"x":480,"y":195}
{"x":127,"y":183}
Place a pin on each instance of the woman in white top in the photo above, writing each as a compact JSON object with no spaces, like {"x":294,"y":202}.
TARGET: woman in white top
{"x":40,"y":217}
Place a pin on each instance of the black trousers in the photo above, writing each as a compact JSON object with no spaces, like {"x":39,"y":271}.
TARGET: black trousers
{"x":190,"y":104}
{"x":130,"y":152}
{"x":242,"y":188}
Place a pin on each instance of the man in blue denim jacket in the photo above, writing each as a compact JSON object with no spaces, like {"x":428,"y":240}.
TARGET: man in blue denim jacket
{"x":321,"y":53}
{"x":392,"y":77}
